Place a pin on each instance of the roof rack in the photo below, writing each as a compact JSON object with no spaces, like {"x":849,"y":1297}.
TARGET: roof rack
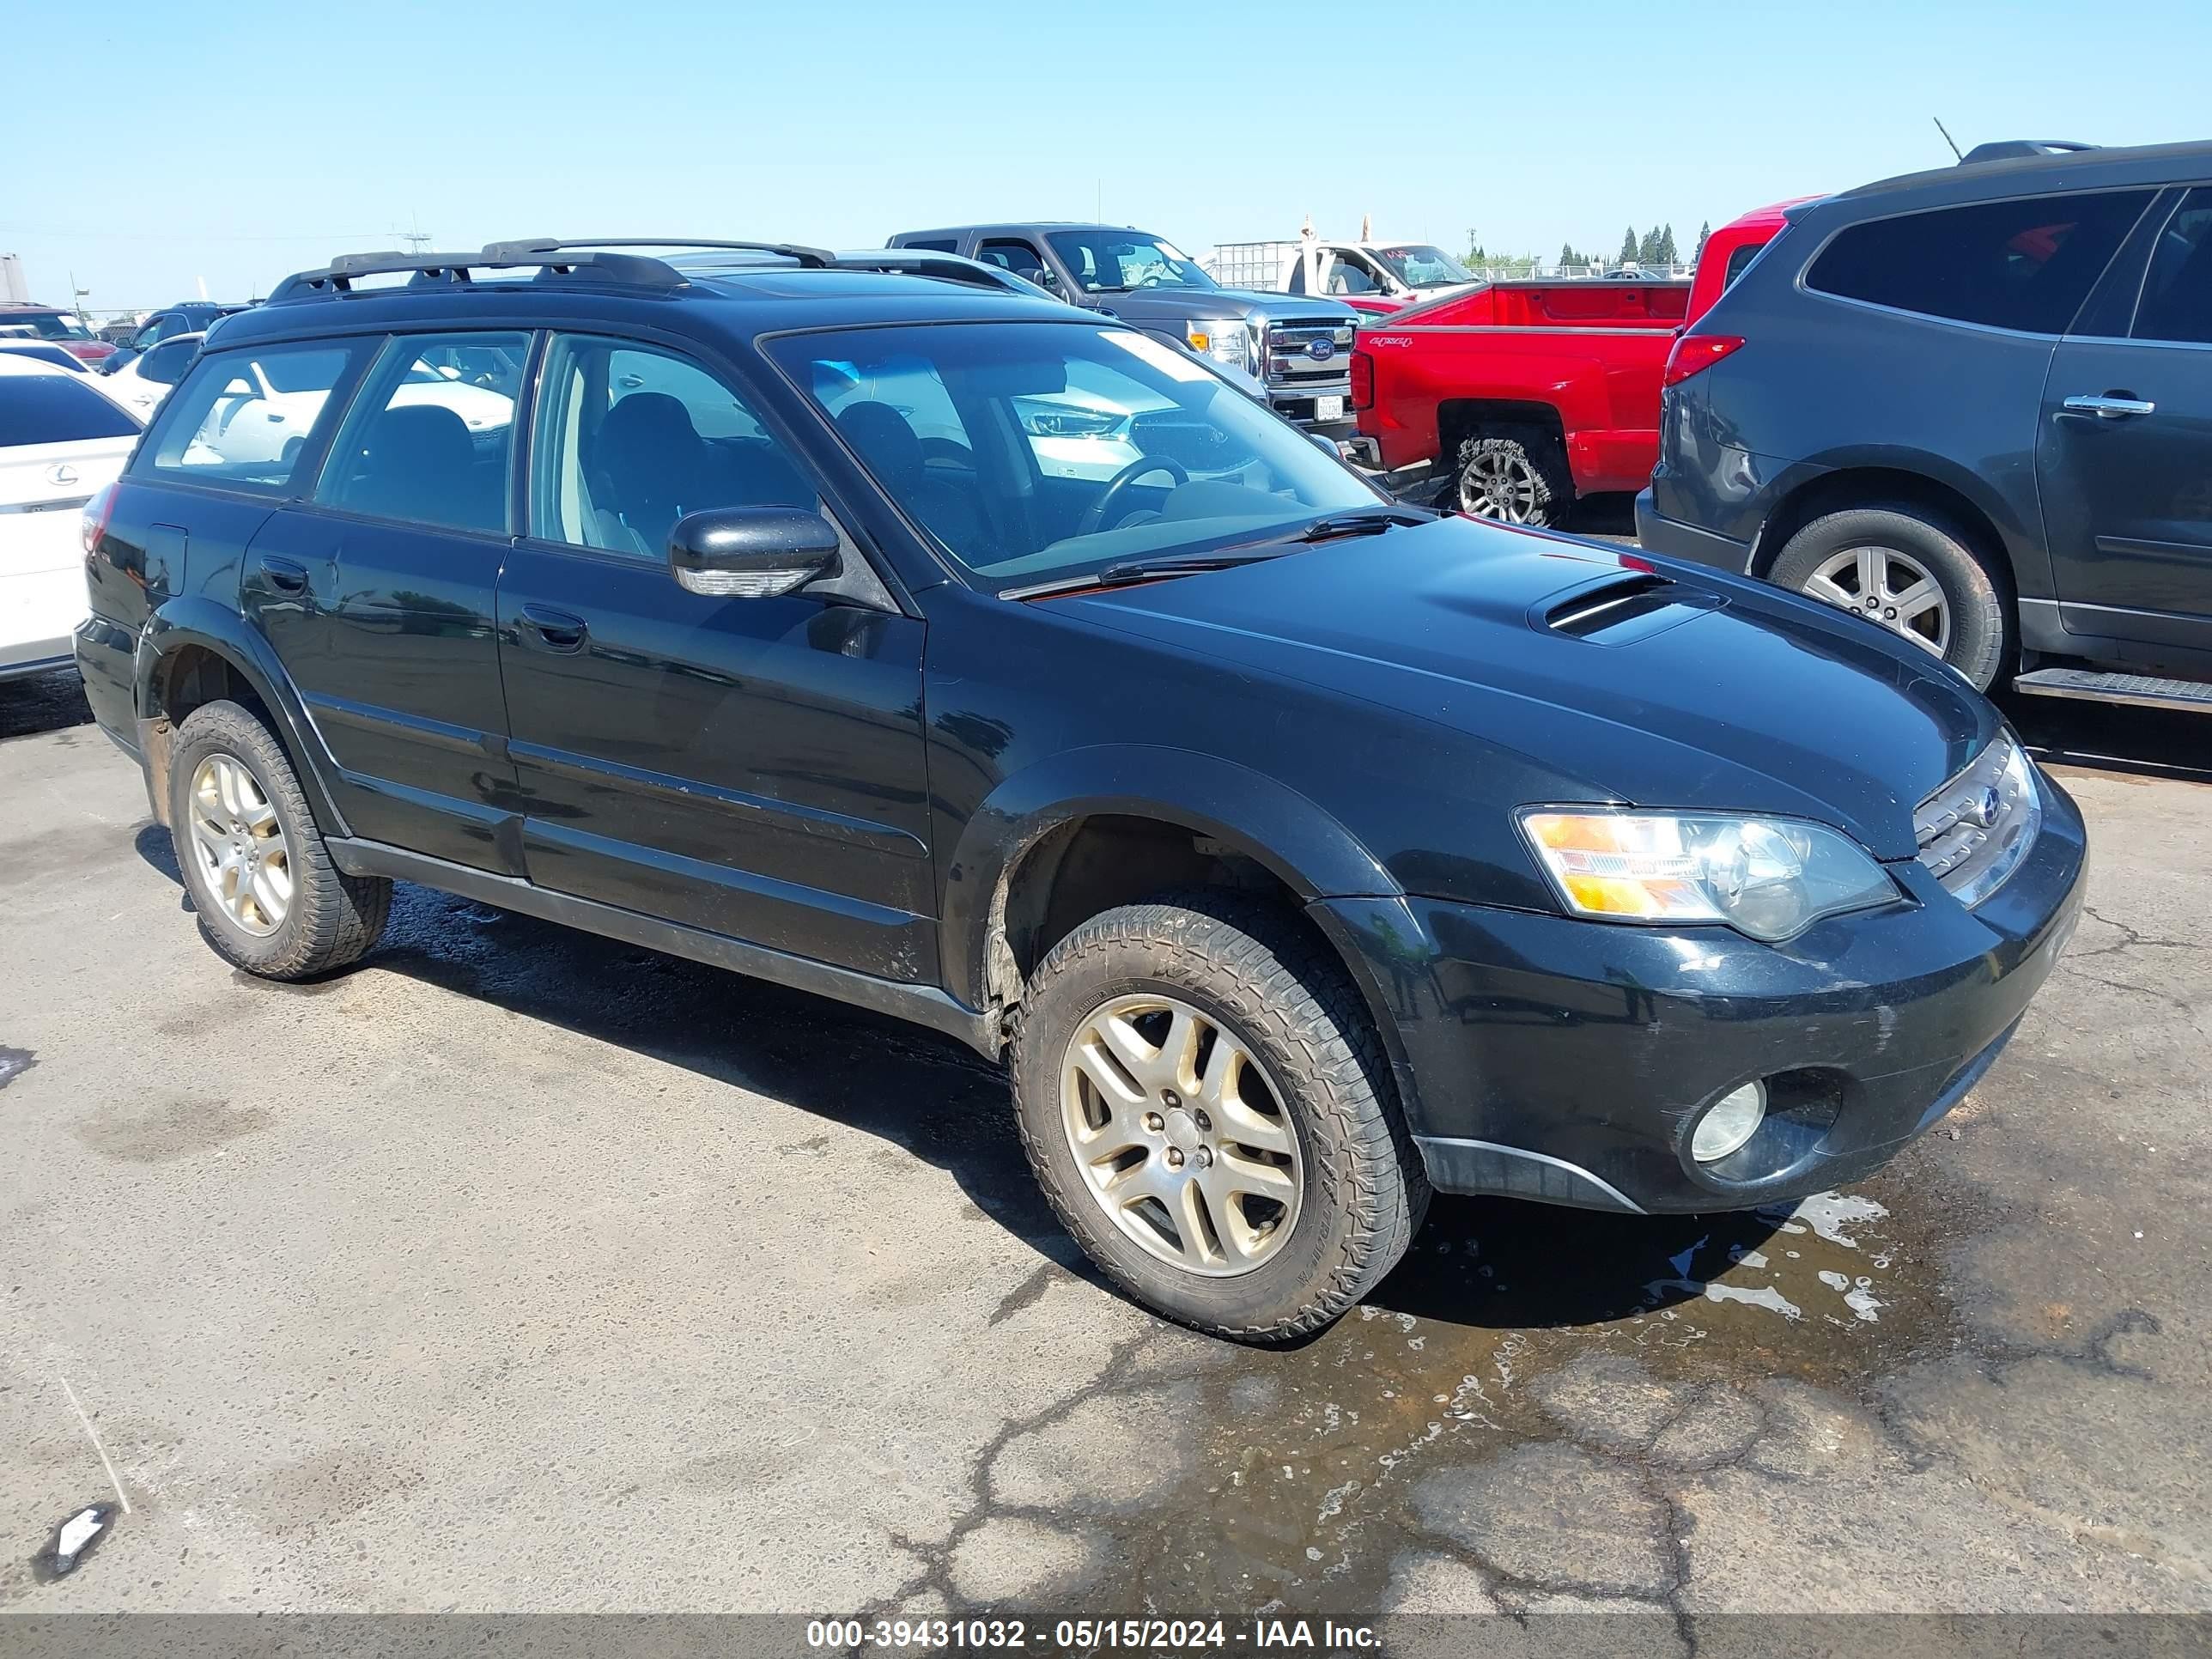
{"x":950,"y":267}
{"x":2009,"y":150}
{"x":597,"y":258}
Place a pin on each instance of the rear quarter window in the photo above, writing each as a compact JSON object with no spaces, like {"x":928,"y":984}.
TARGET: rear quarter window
{"x":2025,"y":264}
{"x":242,"y":419}
{"x":54,"y":408}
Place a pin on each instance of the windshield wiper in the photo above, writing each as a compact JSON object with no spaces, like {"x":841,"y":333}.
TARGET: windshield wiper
{"x":1135,"y":570}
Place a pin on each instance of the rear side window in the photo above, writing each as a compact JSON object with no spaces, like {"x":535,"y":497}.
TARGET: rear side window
{"x":2024,"y":264}
{"x":2176,"y":296}
{"x":56,"y":408}
{"x":242,"y":419}
{"x":432,"y":435}
{"x":933,"y":244}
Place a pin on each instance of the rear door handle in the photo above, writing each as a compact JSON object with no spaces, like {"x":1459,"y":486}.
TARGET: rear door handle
{"x":285,"y":576}
{"x":2108,"y":406}
{"x":552,"y":630}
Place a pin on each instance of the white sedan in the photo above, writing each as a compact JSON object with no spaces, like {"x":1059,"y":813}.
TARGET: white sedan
{"x":60,"y":443}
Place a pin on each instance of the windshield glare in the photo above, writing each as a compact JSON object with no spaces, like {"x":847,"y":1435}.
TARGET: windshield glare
{"x":1419,"y":264}
{"x":43,"y":325}
{"x":1035,"y":451}
{"x":1110,"y":261}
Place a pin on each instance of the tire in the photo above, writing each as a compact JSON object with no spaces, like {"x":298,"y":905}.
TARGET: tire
{"x":1976,"y":636}
{"x":1359,"y":1187}
{"x":328,"y":919}
{"x":1533,"y":467}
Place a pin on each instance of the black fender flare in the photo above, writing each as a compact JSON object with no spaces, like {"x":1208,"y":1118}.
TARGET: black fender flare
{"x":1299,"y":841}
{"x":220,"y":629}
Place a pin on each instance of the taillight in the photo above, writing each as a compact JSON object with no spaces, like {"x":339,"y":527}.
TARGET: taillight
{"x":1693,"y":352}
{"x":97,"y":512}
{"x":1362,"y":381}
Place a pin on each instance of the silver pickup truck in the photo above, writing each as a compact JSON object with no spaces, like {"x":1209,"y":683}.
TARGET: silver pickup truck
{"x":1299,"y":348}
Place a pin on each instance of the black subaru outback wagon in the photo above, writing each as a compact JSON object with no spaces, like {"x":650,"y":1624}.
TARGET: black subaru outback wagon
{"x":1001,"y":667}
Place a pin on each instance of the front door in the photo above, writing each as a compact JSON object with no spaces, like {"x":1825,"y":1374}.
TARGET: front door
{"x":2124,"y":457}
{"x":752,"y":767}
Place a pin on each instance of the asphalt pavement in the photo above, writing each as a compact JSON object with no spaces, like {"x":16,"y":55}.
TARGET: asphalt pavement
{"x":517,"y":1269}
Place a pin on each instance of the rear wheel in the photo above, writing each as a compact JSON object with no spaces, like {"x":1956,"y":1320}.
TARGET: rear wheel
{"x":1205,"y":1104}
{"x":270,"y":899}
{"x":1520,"y":479}
{"x":1906,"y":572}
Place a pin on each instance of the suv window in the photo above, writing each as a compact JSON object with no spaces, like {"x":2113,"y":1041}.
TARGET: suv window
{"x":243,"y":418}
{"x":630,"y":438}
{"x":1739,"y":261}
{"x":1014,"y":255}
{"x":2176,"y":296}
{"x":424,"y":444}
{"x":166,"y":363}
{"x":53,"y":409}
{"x":2025,"y":264}
{"x":932,"y":244}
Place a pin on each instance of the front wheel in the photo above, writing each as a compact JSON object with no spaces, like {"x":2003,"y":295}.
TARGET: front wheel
{"x":1208,"y":1108}
{"x":1909,"y":574}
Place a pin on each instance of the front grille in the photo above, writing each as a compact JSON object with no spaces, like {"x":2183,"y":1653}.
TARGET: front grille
{"x":1973,"y":832}
{"x":1289,"y":362}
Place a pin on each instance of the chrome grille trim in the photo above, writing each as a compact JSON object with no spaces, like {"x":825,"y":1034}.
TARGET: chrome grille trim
{"x":1973,"y":832}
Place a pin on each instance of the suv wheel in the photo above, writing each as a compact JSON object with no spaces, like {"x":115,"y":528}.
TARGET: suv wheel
{"x":1519,"y":480}
{"x":1907,"y":573}
{"x":270,"y":900}
{"x":1207,"y":1105}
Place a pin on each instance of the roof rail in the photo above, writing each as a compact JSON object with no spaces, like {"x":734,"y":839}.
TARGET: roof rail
{"x":2008,"y":149}
{"x":501,"y":251}
{"x":951,"y":267}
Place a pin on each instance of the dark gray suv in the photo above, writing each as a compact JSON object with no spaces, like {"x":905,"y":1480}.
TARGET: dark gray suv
{"x":1973,"y":406}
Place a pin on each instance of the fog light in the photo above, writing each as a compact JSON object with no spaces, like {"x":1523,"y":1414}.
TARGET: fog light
{"x":1731,"y":1121}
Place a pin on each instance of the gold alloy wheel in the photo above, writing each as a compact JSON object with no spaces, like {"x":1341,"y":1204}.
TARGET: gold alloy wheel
{"x":1180,"y":1136}
{"x":240,"y":842}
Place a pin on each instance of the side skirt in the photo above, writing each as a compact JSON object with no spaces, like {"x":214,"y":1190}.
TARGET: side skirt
{"x":923,"y":1004}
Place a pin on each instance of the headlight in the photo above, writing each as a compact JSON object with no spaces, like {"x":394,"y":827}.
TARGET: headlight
{"x":1051,"y":421}
{"x":1224,"y":339}
{"x":1768,"y":878}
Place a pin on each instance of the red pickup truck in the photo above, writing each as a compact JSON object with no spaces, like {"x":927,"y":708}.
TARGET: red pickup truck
{"x":1522,"y":396}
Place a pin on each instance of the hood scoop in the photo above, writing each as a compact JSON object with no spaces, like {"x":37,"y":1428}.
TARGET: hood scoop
{"x":1622,"y":609}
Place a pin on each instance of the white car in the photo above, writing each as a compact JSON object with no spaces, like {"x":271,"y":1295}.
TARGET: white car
{"x":140,"y":384}
{"x":60,"y":443}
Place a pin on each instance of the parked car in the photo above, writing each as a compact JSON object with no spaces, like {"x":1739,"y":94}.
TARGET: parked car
{"x":60,"y":443}
{"x":1278,"y":835}
{"x":41,"y":351}
{"x":1374,"y":278}
{"x":1972,"y":406}
{"x":22,"y":320}
{"x":1520,"y":397}
{"x":1297,"y":348}
{"x":145,"y":377}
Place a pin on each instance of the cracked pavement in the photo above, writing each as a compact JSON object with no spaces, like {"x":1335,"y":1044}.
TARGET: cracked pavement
{"x":522,"y":1270}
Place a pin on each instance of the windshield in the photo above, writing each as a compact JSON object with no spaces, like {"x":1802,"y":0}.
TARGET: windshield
{"x":1418,"y":264}
{"x":1033,"y":452}
{"x":43,"y":325}
{"x":1111,"y":261}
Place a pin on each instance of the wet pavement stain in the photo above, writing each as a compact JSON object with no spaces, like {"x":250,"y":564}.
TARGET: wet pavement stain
{"x":13,"y":1062}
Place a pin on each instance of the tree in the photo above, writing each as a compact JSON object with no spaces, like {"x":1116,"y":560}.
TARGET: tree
{"x":1663,"y":251}
{"x":1628,"y":250}
{"x":1704,"y":234}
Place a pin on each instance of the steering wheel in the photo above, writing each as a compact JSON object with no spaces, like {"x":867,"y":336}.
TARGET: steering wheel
{"x":1094,"y":517}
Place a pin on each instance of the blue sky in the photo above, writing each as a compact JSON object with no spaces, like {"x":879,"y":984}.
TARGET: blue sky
{"x":236,"y":144}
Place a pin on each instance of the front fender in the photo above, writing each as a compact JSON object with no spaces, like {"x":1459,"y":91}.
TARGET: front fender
{"x":177,"y":623}
{"x":1295,"y":839}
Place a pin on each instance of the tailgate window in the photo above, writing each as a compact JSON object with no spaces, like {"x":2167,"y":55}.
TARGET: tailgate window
{"x":52,"y":408}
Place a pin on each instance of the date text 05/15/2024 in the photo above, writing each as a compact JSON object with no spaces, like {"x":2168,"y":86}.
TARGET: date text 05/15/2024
{"x":1089,"y":1635}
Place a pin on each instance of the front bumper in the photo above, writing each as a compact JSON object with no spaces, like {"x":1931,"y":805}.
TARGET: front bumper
{"x":1677,"y":540}
{"x":1568,"y":1060}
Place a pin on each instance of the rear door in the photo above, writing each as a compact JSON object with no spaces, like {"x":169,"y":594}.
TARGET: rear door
{"x":60,"y":441}
{"x":377,"y":594}
{"x":2123,"y":458}
{"x":751,"y":766}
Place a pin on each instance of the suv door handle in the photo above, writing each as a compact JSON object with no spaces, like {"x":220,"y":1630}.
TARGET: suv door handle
{"x":552,"y":630}
{"x":2111,"y":406}
{"x":285,"y":576}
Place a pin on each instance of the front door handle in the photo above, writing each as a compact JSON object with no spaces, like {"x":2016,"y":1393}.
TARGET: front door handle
{"x":283,"y":575}
{"x":552,"y":630}
{"x":2108,"y":406}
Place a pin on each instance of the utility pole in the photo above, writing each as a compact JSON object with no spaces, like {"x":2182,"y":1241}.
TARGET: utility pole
{"x":77,"y":297}
{"x":417,"y":238}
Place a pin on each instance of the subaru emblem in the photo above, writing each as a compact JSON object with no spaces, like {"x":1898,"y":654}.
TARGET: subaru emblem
{"x":1321,"y":351}
{"x":1982,"y":811}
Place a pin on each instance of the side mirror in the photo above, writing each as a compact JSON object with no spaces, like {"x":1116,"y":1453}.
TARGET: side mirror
{"x":751,"y":552}
{"x":1047,"y":277}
